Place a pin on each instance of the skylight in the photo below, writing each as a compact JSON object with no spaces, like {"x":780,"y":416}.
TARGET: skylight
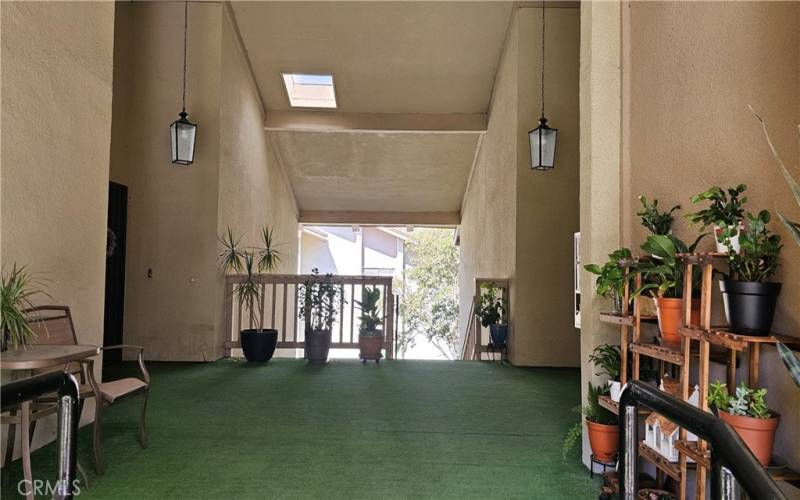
{"x":310,"y":91}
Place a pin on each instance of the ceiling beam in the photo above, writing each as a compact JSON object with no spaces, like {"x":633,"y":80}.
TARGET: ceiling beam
{"x":332,"y":121}
{"x":380,"y":218}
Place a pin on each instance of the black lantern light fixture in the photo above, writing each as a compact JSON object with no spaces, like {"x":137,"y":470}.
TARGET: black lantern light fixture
{"x":182,"y":132}
{"x":542,"y":139}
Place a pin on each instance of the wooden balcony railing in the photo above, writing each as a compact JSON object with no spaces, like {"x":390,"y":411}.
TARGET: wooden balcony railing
{"x":279,"y":309}
{"x":476,"y":338}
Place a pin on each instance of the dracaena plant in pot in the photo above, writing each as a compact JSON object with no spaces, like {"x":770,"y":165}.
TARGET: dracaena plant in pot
{"x":610,"y":282}
{"x":370,"y":337}
{"x":492,"y":311}
{"x":747,"y":292}
{"x":664,"y":281}
{"x":246,"y":263}
{"x":608,"y":360}
{"x":601,"y":424}
{"x":747,"y":412}
{"x":319,"y":302}
{"x":724,"y":214}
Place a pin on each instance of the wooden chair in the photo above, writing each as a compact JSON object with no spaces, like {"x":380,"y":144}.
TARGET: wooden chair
{"x":53,"y":326}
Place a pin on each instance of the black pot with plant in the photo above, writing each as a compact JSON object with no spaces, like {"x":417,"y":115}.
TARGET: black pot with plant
{"x":319,"y":300}
{"x":370,"y":338}
{"x":748,"y":295}
{"x":491,"y":310}
{"x":725,"y":214}
{"x":610,"y":282}
{"x":258,"y":343}
{"x":655,"y":221}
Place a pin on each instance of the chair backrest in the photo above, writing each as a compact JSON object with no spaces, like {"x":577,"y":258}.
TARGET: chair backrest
{"x":52,"y":325}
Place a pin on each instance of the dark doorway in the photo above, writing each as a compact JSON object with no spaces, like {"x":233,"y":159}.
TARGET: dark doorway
{"x":115,"y":271}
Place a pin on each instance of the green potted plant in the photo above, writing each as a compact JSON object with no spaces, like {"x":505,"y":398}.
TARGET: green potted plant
{"x":370,"y":337}
{"x":747,"y":413}
{"x":664,"y":279}
{"x":610,"y":282}
{"x":491,"y":310}
{"x":319,"y":301}
{"x":17,"y":290}
{"x":601,"y":424}
{"x":608,"y":360}
{"x":724,"y":214}
{"x":655,"y":221}
{"x":258,"y":343}
{"x":748,"y":295}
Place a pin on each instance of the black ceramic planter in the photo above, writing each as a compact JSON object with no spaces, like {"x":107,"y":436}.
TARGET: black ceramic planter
{"x":499,"y":333}
{"x":258,"y":345}
{"x":749,"y":305}
{"x":318,"y":345}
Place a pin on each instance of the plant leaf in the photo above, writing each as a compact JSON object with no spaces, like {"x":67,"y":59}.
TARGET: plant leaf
{"x":794,"y":227}
{"x":791,"y":360}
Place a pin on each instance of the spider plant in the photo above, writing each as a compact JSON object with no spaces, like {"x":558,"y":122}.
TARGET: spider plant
{"x":17,"y":290}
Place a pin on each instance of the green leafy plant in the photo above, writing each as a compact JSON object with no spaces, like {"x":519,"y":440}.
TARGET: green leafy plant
{"x":608,"y":360}
{"x":593,"y":413}
{"x":757,"y":260}
{"x":17,"y":290}
{"x":610,"y":280}
{"x":794,"y":187}
{"x":747,"y":402}
{"x":250,"y":262}
{"x":791,"y":360}
{"x":370,"y":310}
{"x":664,"y":275}
{"x":655,"y":221}
{"x":725,"y":211}
{"x":491,"y":308}
{"x":572,"y":436}
{"x":319,"y":301}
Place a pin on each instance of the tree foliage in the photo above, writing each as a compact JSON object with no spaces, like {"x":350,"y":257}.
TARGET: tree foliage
{"x":430,"y":292}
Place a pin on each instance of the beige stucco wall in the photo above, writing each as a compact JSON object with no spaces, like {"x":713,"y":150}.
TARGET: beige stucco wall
{"x":56,"y":112}
{"x":687,"y":73}
{"x":176,"y":212}
{"x":517,"y":223}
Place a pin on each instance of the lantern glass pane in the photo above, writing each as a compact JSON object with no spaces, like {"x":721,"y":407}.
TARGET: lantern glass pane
{"x":182,"y":136}
{"x":543,"y":148}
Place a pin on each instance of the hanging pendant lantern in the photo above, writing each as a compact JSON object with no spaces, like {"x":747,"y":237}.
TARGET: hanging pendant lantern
{"x":542,"y":139}
{"x":182,"y":132}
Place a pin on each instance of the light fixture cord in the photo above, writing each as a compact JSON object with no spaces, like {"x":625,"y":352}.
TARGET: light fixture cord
{"x":185,"y":29}
{"x":544,"y":11}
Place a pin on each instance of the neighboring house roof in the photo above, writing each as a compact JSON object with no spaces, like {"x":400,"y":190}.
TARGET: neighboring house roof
{"x":313,"y":231}
{"x":396,"y":232}
{"x":667,"y":427}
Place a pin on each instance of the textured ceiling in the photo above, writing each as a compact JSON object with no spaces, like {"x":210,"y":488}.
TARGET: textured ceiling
{"x":386,"y":57}
{"x":396,"y":172}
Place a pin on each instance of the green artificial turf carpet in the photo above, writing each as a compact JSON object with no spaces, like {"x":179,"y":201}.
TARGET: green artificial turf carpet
{"x":401,"y":429}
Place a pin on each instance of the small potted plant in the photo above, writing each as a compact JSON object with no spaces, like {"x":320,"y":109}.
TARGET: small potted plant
{"x":610,"y":282}
{"x":664,"y":278}
{"x":725,"y":215}
{"x":17,"y":289}
{"x":748,"y":295}
{"x":319,"y":301}
{"x":608,"y":360}
{"x":747,"y":413}
{"x":601,"y":424}
{"x":258,"y":343}
{"x":491,"y":310}
{"x":655,"y":221}
{"x":370,"y":337}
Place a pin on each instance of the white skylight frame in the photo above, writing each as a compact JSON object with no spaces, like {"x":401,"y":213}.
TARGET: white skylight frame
{"x":309,"y":90}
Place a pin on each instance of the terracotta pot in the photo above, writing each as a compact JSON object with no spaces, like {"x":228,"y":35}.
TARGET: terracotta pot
{"x":603,"y":440}
{"x":757,"y":433}
{"x":370,"y":345}
{"x":670,"y":319}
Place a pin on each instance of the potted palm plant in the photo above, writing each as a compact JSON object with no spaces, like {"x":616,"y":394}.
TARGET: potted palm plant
{"x":491,"y":310}
{"x":724,"y":214}
{"x":17,"y":289}
{"x":748,"y":295}
{"x":655,"y":221}
{"x":601,"y":424}
{"x":610,"y":282}
{"x":664,"y":278}
{"x":319,"y":300}
{"x":747,"y":413}
{"x":608,"y":360}
{"x":258,"y":343}
{"x":370,"y":337}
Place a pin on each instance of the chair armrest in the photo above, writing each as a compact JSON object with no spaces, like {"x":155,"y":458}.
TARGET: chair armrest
{"x":123,"y":346}
{"x":145,"y":374}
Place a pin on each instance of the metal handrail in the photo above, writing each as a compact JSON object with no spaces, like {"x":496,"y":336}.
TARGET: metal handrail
{"x":20,"y":391}
{"x":732,"y":461}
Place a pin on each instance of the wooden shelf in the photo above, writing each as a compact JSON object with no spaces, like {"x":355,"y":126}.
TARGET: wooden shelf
{"x":668,"y":354}
{"x":629,"y":320}
{"x":718,"y":335}
{"x":700,"y":258}
{"x":689,"y":448}
{"x":671,"y":469}
{"x":609,"y":404}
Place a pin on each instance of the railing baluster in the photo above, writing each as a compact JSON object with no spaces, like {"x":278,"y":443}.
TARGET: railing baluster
{"x":341,"y":315}
{"x":285,"y":294}
{"x":296,"y":304}
{"x":272,"y":324}
{"x":352,"y":309}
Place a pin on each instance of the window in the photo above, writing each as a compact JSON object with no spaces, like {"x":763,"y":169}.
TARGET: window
{"x":310,"y":91}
